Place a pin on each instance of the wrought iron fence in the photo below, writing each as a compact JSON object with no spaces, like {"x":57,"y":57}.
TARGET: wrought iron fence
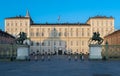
{"x":108,"y":51}
{"x":111,"y":51}
{"x":8,"y":50}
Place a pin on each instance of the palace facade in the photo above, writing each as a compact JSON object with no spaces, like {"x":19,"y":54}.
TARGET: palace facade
{"x":59,"y":37}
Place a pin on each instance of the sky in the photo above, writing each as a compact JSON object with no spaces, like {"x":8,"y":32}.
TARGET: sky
{"x":71,"y":11}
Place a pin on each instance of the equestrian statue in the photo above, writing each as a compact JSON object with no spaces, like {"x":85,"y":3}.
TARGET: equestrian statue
{"x":95,"y":39}
{"x":21,"y":38}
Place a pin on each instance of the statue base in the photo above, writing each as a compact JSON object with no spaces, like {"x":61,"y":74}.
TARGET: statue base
{"x":22,"y":52}
{"x":95,"y":51}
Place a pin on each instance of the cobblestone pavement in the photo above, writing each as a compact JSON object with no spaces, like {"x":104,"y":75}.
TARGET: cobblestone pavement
{"x":60,"y":66}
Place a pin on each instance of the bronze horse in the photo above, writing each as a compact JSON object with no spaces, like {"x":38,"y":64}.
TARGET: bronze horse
{"x":96,"y":39}
{"x":22,"y":37}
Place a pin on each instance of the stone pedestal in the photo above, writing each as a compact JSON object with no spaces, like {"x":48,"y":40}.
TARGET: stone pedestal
{"x":95,"y":51}
{"x":23,"y":52}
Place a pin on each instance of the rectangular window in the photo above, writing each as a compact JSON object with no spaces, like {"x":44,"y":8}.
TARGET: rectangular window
{"x":37,"y":34}
{"x":43,"y":44}
{"x":77,"y":43}
{"x":111,"y":23}
{"x":71,"y":43}
{"x":88,"y":32}
{"x":26,"y":29}
{"x":48,"y":43}
{"x":97,"y":29}
{"x":42,"y":34}
{"x":48,"y":29}
{"x":11,"y":24}
{"x":77,"y":50}
{"x":7,"y":24}
{"x":82,"y":31}
{"x":37,"y":29}
{"x":65,"y":34}
{"x":60,"y":43}
{"x":93,"y":23}
{"x":20,"y":24}
{"x":26,"y":23}
{"x":77,"y":32}
{"x":71,"y":33}
{"x":93,"y":30}
{"x":54,"y":42}
{"x":15,"y":29}
{"x":60,"y":29}
{"x":65,"y":29}
{"x":7,"y":29}
{"x":11,"y":29}
{"x":43,"y":30}
{"x":37,"y":44}
{"x":15,"y":24}
{"x":83,"y":43}
{"x":20,"y":29}
{"x":31,"y":34}
{"x":59,"y":33}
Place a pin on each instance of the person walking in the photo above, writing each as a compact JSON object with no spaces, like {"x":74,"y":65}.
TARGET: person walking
{"x":82,"y":56}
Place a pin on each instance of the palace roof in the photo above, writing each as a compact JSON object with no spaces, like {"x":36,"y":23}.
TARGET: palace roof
{"x":60,"y":24}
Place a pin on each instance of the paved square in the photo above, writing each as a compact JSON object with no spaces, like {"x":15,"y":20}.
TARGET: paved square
{"x":60,"y":66}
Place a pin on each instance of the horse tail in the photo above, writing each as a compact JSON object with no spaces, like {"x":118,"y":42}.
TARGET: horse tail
{"x":101,"y":40}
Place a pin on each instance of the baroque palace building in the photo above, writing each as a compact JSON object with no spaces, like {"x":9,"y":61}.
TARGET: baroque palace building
{"x":59,"y":37}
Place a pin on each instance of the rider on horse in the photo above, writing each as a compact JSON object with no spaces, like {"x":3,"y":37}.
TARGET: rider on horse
{"x":96,"y":37}
{"x":22,"y":37}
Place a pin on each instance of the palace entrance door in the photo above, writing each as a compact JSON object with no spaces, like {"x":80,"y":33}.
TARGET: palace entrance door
{"x":59,"y":52}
